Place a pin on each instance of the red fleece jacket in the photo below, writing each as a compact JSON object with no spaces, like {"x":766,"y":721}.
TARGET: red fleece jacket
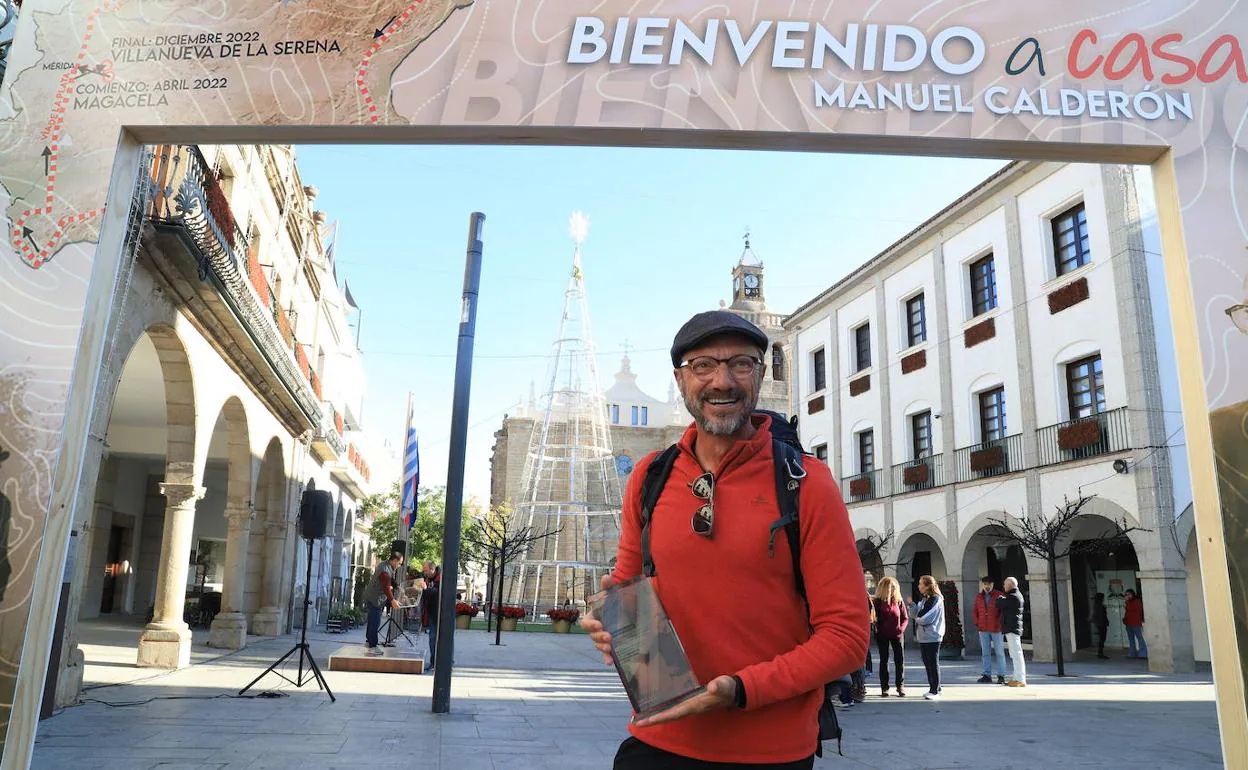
{"x":738,"y":611}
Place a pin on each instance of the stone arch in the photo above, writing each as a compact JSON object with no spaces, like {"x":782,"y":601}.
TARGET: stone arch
{"x":175,"y":366}
{"x":975,"y":555}
{"x":262,"y":601}
{"x":915,"y":541}
{"x":1110,"y":570}
{"x":229,"y":627}
{"x":778,"y":368}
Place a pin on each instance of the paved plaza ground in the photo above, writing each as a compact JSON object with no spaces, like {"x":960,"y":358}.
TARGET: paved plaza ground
{"x":546,"y":700}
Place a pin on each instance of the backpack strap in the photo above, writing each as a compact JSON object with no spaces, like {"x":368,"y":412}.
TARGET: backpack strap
{"x":651,"y":487}
{"x":789,"y":474}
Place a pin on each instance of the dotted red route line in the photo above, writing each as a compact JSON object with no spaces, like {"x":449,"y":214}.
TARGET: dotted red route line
{"x":37,"y":256}
{"x":362,"y":74}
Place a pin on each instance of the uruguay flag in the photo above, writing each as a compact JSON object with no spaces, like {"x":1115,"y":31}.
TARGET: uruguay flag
{"x":411,"y":474}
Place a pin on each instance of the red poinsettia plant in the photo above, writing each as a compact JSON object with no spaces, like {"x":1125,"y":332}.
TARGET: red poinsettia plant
{"x":511,"y":611}
{"x":464,"y":608}
{"x":571,"y":615}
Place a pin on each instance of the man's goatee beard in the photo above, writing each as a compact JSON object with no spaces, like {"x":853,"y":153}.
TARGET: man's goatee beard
{"x":721,"y":426}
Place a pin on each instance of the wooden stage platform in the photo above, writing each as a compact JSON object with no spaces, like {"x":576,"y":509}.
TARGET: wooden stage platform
{"x":400,"y":659}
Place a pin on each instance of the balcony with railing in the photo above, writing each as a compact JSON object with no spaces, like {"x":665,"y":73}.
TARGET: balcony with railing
{"x":863,"y":486}
{"x":228,"y":291}
{"x":1102,"y":433}
{"x":990,"y":458}
{"x":328,"y":441}
{"x":918,"y":475}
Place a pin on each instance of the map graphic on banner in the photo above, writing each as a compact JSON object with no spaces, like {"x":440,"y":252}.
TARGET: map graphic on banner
{"x":1063,"y":79}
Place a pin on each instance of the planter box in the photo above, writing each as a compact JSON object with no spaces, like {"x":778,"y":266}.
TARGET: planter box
{"x":860,"y":487}
{"x":914,"y":362}
{"x":507,"y":624}
{"x":859,"y":386}
{"x":987,"y":459}
{"x":1080,"y":434}
{"x":980,"y":332}
{"x":1069,"y":295}
{"x":916,"y":475}
{"x":463,"y":622}
{"x":562,"y":626}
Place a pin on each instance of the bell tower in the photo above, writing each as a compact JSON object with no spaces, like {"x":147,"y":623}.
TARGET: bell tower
{"x":747,"y":280}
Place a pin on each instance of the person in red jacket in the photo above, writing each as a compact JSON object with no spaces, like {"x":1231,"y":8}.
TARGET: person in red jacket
{"x":764,"y":679}
{"x":988,"y":623}
{"x":890,"y":628}
{"x":1133,"y":619}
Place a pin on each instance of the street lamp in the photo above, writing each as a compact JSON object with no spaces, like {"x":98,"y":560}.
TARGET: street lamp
{"x":1001,"y":551}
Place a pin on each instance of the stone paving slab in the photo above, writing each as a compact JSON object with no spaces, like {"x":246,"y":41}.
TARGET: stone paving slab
{"x":546,"y":700}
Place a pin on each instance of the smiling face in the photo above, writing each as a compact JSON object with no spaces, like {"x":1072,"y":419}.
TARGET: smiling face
{"x":722,"y":402}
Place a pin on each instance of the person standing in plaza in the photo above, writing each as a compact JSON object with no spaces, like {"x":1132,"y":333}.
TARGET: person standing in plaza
{"x":429,"y":608}
{"x":1133,"y":619}
{"x":891,"y":619}
{"x":1011,"y":608}
{"x":377,"y":593}
{"x":988,"y":623}
{"x":764,"y":681}
{"x":1099,"y":618}
{"x":929,"y":629}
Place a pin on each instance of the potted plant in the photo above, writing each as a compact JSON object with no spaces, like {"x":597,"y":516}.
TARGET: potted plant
{"x":563,"y":619}
{"x":987,"y":459}
{"x":464,"y":613}
{"x":951,"y":646}
{"x":1079,"y":435}
{"x":860,"y":487}
{"x":508,"y":617}
{"x":916,"y":475}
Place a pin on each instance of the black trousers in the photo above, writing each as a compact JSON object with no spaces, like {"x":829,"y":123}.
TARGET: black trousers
{"x":635,"y":755}
{"x":931,"y":661}
{"x":1101,"y":633}
{"x":899,"y":658}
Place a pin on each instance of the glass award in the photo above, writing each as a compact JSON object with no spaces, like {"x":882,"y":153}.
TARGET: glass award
{"x":646,"y":651}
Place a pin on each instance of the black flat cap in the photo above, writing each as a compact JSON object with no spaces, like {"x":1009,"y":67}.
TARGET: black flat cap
{"x":703,"y":326}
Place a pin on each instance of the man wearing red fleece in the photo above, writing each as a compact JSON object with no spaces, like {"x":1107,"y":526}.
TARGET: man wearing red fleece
{"x":764,"y":676}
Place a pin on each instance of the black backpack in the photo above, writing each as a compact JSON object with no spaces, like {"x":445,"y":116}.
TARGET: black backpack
{"x":787,"y":450}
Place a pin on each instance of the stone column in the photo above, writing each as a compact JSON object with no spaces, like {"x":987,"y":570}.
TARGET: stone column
{"x":229,"y":627}
{"x":1167,"y":625}
{"x":269,"y":620}
{"x":1042,"y":615}
{"x":166,"y":642}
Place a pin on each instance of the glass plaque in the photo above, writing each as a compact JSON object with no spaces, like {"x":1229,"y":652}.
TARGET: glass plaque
{"x":647,"y":654}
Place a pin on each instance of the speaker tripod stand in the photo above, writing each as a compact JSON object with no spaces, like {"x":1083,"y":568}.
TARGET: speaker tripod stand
{"x":301,"y":648}
{"x":392,"y":630}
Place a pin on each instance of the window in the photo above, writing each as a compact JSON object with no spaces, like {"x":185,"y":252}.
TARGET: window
{"x":862,"y":347}
{"x":921,"y":435}
{"x":615,"y":414}
{"x":866,"y":451}
{"x":635,"y":415}
{"x":1085,"y":387}
{"x":645,"y":415}
{"x":992,"y":415}
{"x":916,"y":321}
{"x":821,"y":452}
{"x":777,"y":363}
{"x":1070,"y":239}
{"x":983,"y":285}
{"x":817,"y":365}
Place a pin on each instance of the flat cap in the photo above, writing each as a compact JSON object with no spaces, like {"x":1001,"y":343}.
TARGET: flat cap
{"x":703,"y":326}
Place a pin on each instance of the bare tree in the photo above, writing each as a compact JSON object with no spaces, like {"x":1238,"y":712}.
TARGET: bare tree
{"x":493,"y":536}
{"x":1048,"y":539}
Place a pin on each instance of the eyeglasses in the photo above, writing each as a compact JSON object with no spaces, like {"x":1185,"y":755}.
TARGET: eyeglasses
{"x":704,"y":367}
{"x":1239,"y":316}
{"x":704,"y":518}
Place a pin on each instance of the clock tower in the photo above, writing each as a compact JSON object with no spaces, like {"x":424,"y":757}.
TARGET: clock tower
{"x":747,"y":280}
{"x":749,"y":302}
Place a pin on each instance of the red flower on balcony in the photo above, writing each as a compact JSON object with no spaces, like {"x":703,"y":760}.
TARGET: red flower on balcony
{"x":338,"y":424}
{"x":860,"y":487}
{"x":987,"y":459}
{"x":916,"y":474}
{"x":1078,"y":435}
{"x":219,"y":207}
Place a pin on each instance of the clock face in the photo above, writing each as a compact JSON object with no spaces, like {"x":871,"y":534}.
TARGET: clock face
{"x":624,"y":465}
{"x":751,"y":281}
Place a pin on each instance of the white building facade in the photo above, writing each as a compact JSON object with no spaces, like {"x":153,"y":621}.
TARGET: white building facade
{"x":1010,"y":353}
{"x":232,"y":385}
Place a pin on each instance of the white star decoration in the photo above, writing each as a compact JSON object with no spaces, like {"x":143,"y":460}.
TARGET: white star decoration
{"x":579,"y":227}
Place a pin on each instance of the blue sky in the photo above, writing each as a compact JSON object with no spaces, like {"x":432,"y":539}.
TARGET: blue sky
{"x":665,"y":232}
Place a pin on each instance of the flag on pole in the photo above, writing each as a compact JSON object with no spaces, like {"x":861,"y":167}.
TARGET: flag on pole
{"x":411,"y":474}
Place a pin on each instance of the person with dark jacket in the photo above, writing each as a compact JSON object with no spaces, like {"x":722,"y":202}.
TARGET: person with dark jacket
{"x":1099,"y":618}
{"x":429,"y":608}
{"x":890,"y":626}
{"x":764,"y":681}
{"x":1010,"y":608}
{"x":378,"y":593}
{"x":1133,"y":619}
